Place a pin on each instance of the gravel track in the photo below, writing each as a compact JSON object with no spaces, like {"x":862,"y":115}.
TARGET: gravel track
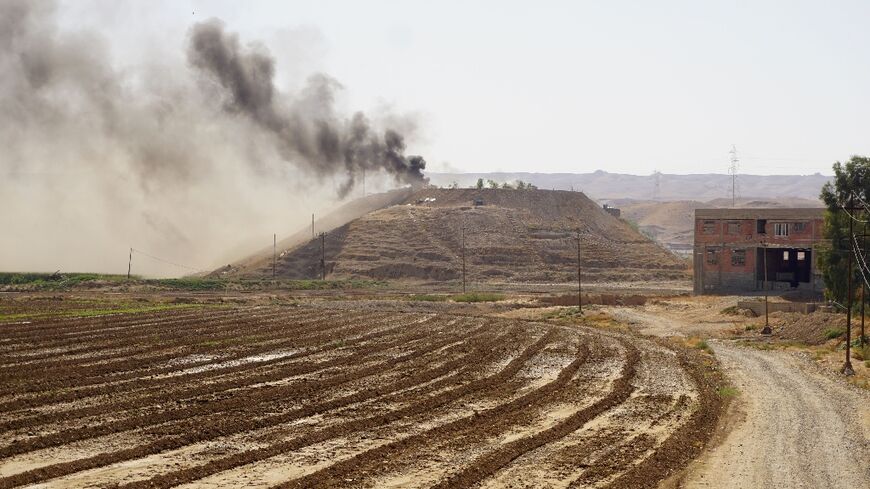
{"x":791,"y":424}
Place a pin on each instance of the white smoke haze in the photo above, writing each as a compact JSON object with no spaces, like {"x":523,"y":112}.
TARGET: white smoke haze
{"x":194,"y":158}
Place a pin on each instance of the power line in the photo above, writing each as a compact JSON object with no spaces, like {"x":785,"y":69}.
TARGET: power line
{"x":166,"y":261}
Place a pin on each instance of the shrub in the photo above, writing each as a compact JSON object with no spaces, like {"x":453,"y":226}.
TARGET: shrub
{"x":728,"y":391}
{"x":478,"y":297}
{"x":730,"y":311}
{"x":832,"y":333}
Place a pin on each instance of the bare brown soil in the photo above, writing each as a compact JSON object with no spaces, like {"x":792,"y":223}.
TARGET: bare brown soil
{"x":515,"y":236}
{"x":338,"y":395}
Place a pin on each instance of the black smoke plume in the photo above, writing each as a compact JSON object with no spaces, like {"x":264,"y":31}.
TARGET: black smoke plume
{"x":307,"y":130}
{"x":185,"y":157}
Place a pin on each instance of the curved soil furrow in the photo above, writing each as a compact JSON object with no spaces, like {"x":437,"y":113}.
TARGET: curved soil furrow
{"x":72,"y":325}
{"x":224,"y":429}
{"x":171,"y":339}
{"x":169,"y":333}
{"x":235,"y":402}
{"x":363,"y":462}
{"x":108,"y":385}
{"x":145,"y":385}
{"x":152,"y":401}
{"x":489,"y":463}
{"x":424,"y":406}
{"x":59,"y":339}
{"x":423,"y":383}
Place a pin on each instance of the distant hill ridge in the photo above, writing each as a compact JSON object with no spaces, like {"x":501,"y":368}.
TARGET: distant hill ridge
{"x":605,"y":185}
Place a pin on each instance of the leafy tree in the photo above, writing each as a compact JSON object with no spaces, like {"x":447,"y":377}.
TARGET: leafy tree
{"x":521,"y":185}
{"x":506,"y":185}
{"x":479,"y":183}
{"x":850,"y":190}
{"x":492,"y":184}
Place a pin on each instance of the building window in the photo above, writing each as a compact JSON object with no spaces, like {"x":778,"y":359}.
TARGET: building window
{"x":761,"y":226}
{"x":709,"y":227}
{"x":733,"y":228}
{"x":798,"y":227}
{"x":801,"y":255}
{"x":712,"y":257}
{"x":738,"y":258}
{"x":780,"y":229}
{"x":785,"y":255}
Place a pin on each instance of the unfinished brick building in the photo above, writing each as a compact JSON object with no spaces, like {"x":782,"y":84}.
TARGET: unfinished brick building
{"x":732,"y":247}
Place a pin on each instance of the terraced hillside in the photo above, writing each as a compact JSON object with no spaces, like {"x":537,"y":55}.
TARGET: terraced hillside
{"x":522,"y":236}
{"x":325,"y":396}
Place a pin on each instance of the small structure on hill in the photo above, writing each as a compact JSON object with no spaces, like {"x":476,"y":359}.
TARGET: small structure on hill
{"x":613,"y":211}
{"x":746,"y":250}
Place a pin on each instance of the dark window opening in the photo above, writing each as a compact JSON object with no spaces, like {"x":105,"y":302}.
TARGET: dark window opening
{"x":761,"y":226}
{"x":798,"y":227}
{"x":712,"y":257}
{"x":788,"y":265}
{"x":709,"y":227}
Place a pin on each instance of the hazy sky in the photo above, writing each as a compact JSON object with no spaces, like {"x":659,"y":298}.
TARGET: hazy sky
{"x":561,"y":86}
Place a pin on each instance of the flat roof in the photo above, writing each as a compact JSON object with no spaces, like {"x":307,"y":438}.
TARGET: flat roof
{"x":762,"y":213}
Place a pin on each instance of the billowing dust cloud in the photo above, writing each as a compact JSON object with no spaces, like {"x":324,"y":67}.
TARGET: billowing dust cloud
{"x":194,"y":161}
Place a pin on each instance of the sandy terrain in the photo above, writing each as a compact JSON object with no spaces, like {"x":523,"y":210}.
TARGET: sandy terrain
{"x":791,"y":425}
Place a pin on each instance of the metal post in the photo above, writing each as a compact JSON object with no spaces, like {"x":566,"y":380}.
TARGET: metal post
{"x":579,"y":278}
{"x":322,"y":256}
{"x":847,"y":366}
{"x":463,"y":257}
{"x":274,"y":255}
{"x":766,"y":329}
{"x":130,"y":264}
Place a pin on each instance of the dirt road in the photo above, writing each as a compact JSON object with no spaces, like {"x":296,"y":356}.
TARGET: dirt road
{"x":792,"y":426}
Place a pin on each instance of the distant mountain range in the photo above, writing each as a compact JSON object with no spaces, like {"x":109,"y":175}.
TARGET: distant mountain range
{"x":602,"y":185}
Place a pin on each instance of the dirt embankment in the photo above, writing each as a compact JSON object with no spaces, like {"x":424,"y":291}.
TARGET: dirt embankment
{"x":513,"y":236}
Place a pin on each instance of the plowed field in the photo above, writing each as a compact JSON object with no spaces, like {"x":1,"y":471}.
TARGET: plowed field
{"x":273,"y":396}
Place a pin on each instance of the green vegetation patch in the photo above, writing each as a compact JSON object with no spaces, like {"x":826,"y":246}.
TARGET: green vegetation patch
{"x":833,"y":333}
{"x":97,"y":311}
{"x":727,"y":391}
{"x":478,"y":297}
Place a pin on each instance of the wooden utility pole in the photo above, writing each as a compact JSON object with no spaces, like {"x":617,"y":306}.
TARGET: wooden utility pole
{"x":579,"y":275}
{"x":766,"y":329}
{"x":274,"y":255}
{"x":129,"y":263}
{"x":847,"y":365}
{"x":322,"y":256}
{"x":463,"y":257}
{"x":864,"y":285}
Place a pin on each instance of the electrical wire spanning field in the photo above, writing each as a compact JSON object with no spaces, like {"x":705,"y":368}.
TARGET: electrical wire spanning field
{"x":274,"y":396}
